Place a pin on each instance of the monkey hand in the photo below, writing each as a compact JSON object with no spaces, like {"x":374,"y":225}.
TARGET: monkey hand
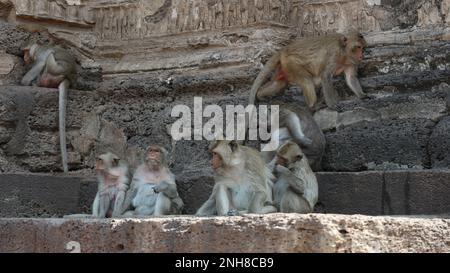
{"x":305,"y":142}
{"x":282,"y":169}
{"x":162,"y":186}
{"x":47,"y":53}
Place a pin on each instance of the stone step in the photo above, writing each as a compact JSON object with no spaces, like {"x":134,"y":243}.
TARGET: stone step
{"x":369,"y":193}
{"x":261,"y":233}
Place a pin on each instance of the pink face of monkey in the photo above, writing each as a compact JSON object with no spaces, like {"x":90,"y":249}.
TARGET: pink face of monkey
{"x":106,"y":166}
{"x":155,"y":156}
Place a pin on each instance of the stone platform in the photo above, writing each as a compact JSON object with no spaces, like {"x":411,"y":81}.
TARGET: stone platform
{"x":268,"y":233}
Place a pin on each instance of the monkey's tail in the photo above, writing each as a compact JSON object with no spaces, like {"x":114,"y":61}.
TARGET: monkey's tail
{"x":268,"y":68}
{"x":63,"y":87}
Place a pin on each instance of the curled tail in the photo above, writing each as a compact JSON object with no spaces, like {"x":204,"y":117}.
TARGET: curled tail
{"x":63,"y":87}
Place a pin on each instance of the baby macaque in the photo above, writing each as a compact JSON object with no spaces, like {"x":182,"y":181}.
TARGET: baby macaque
{"x":242,"y":181}
{"x":296,"y":188}
{"x":112,"y":176}
{"x":153,"y":189}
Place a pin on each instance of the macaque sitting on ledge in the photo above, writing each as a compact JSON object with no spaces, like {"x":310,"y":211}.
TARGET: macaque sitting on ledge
{"x":153,"y":190}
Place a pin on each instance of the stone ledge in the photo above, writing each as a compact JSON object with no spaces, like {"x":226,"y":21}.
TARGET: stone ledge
{"x":250,"y":233}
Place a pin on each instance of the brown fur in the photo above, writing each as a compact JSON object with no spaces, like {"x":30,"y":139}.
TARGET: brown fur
{"x":308,"y":61}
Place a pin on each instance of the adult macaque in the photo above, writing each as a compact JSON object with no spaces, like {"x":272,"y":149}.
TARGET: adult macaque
{"x":153,"y":190}
{"x":310,"y":61}
{"x":112,"y":176}
{"x":53,"y":67}
{"x":295,"y":189}
{"x":298,"y":125}
{"x":242,"y":181}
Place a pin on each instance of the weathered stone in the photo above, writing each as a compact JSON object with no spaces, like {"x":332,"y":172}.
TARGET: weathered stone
{"x":44,"y":196}
{"x":269,"y":233}
{"x":439,"y":144}
{"x":355,"y":116}
{"x":416,"y":107}
{"x":416,"y":192}
{"x":402,"y":142}
{"x":326,"y":119}
{"x":7,"y":62}
{"x":350,"y":193}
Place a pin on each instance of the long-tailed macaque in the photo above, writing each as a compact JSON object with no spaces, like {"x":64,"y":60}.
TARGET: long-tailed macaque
{"x":153,"y":189}
{"x":297,"y":124}
{"x":296,"y":188}
{"x":242,"y":181}
{"x":112,"y":176}
{"x":53,"y":67}
{"x":310,"y":61}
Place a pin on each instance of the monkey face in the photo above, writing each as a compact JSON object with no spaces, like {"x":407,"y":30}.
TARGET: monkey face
{"x":216,"y":161}
{"x":26,"y":56}
{"x":106,"y":161}
{"x":355,"y":44}
{"x":225,"y":153}
{"x":358,"y":53}
{"x":281,"y":161}
{"x":289,"y":153}
{"x":155,"y":156}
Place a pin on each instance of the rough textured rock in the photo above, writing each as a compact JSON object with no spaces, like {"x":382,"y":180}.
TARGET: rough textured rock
{"x":386,"y":131}
{"x":269,"y":233}
{"x":402,"y":142}
{"x":44,"y":196}
{"x":439,"y":144}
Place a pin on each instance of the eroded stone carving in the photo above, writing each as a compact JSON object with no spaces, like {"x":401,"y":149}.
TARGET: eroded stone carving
{"x":73,"y":12}
{"x":135,"y":19}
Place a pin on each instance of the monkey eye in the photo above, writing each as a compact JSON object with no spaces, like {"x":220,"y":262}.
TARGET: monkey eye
{"x":233,"y":145}
{"x":115,"y":162}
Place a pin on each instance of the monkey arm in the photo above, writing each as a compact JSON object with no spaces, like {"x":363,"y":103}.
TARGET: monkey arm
{"x":33,"y":74}
{"x":95,"y":206}
{"x":296,"y":183}
{"x":272,"y":164}
{"x":168,"y":189}
{"x":353,"y":82}
{"x":118,"y":204}
{"x":131,"y":193}
{"x":104,"y":203}
{"x":208,"y":208}
{"x":329,"y":93}
{"x":54,"y":67}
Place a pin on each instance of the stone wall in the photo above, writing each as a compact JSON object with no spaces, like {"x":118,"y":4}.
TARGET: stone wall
{"x":138,"y":59}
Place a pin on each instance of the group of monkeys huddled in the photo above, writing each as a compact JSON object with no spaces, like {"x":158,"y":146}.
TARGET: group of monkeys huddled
{"x":246,"y":181}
